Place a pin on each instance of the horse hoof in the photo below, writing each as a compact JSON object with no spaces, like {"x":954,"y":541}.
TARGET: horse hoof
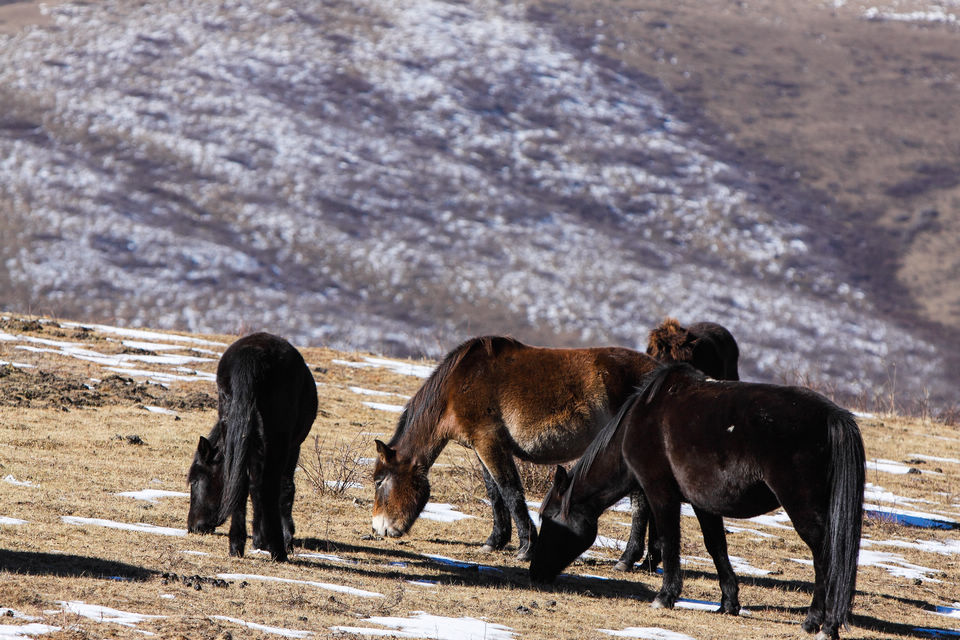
{"x":823,"y":636}
{"x":810,"y":626}
{"x":623,"y":566}
{"x":487,"y":548}
{"x":660,"y":604}
{"x":525,"y":555}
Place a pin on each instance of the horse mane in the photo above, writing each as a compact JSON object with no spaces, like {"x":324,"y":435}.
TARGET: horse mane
{"x":669,"y":342}
{"x":653,"y":382}
{"x":597,"y":445}
{"x":429,"y":402}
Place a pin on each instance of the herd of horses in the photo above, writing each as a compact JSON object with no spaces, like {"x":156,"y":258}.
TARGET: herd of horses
{"x":672,"y":425}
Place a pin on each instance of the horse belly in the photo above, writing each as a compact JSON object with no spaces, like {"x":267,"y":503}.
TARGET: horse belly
{"x":546,"y":442}
{"x":728,"y":494}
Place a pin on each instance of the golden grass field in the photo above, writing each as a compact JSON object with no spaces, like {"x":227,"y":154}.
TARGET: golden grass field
{"x":74,"y":435}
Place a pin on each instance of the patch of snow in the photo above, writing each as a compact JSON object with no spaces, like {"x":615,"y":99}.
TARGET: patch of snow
{"x":23,"y":631}
{"x":935,"y":458}
{"x":110,"y":524}
{"x":106,"y":614}
{"x":277,"y":631}
{"x":647,"y":633}
{"x":141,"y":334}
{"x":894,"y":467}
{"x":338,"y":588}
{"x":424,"y":625}
{"x":372,"y":392}
{"x":934,"y":14}
{"x":327,"y":556}
{"x":4,"y":520}
{"x":442,"y":512}
{"x":379,"y":406}
{"x":943,"y":547}
{"x":893,"y":563}
{"x":152,"y":495}
{"x":9,"y":479}
{"x":161,"y":410}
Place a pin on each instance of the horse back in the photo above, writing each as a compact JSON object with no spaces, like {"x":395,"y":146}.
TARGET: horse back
{"x":549,"y":402}
{"x":734,"y":448}
{"x":266,"y":372}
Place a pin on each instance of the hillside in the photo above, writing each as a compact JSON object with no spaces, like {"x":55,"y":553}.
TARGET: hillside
{"x":397,"y":176}
{"x":98,"y":425}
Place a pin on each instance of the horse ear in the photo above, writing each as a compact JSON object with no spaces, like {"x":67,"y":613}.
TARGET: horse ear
{"x":560,"y":479}
{"x":387,"y":455}
{"x":208,"y":453}
{"x":204,"y":449}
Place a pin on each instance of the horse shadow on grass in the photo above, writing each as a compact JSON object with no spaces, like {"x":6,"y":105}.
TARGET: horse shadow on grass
{"x":412,"y":566}
{"x":70,"y":566}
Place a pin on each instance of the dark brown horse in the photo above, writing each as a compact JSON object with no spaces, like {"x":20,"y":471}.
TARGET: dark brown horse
{"x":502,"y":399}
{"x":731,"y":449}
{"x":710,"y":348}
{"x":706,"y":345}
{"x":267,"y":402}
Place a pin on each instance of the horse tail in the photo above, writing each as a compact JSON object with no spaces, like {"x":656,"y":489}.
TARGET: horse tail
{"x":242,"y":425}
{"x":846,"y":481}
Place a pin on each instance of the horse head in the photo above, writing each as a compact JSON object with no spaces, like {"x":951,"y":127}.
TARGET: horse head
{"x":401,"y":492}
{"x":206,"y":488}
{"x":566,"y":530}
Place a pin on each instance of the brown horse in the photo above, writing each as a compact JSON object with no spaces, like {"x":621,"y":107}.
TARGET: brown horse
{"x":502,"y":399}
{"x":706,"y":345}
{"x":732,"y":449}
{"x":712,"y":349}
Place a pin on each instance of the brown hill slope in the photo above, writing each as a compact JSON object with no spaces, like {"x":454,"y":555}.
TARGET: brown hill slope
{"x":847,"y":109}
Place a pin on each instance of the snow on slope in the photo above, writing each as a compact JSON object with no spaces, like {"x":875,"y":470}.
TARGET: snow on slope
{"x":398,"y":176}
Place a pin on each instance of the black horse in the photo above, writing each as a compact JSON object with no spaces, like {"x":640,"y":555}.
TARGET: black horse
{"x":267,"y":402}
{"x":731,"y":449}
{"x":712,"y":349}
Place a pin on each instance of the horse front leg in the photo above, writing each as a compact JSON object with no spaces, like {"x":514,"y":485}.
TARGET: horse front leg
{"x":238,"y":527}
{"x":715,"y":539}
{"x":502,"y":527}
{"x":499,"y":463}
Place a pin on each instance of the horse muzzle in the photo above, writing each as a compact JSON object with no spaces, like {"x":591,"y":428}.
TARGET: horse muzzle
{"x":382,"y":526}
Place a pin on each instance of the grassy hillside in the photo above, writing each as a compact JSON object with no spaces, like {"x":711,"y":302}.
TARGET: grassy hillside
{"x":88,"y":413}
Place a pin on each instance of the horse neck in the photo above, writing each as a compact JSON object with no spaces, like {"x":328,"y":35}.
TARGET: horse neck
{"x":418,"y":440}
{"x":605,"y":481}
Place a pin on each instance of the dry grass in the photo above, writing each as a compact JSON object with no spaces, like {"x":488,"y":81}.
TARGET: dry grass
{"x":77,"y":465}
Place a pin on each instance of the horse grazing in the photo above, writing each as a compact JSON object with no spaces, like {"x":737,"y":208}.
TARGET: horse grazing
{"x":731,"y":449}
{"x":502,"y":399}
{"x":706,"y":345}
{"x":710,"y":348}
{"x":267,"y":402}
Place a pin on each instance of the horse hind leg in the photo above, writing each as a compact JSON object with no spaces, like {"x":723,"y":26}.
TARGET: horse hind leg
{"x":810,"y":527}
{"x":287,"y":494}
{"x":500,"y":535}
{"x":499,"y":463}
